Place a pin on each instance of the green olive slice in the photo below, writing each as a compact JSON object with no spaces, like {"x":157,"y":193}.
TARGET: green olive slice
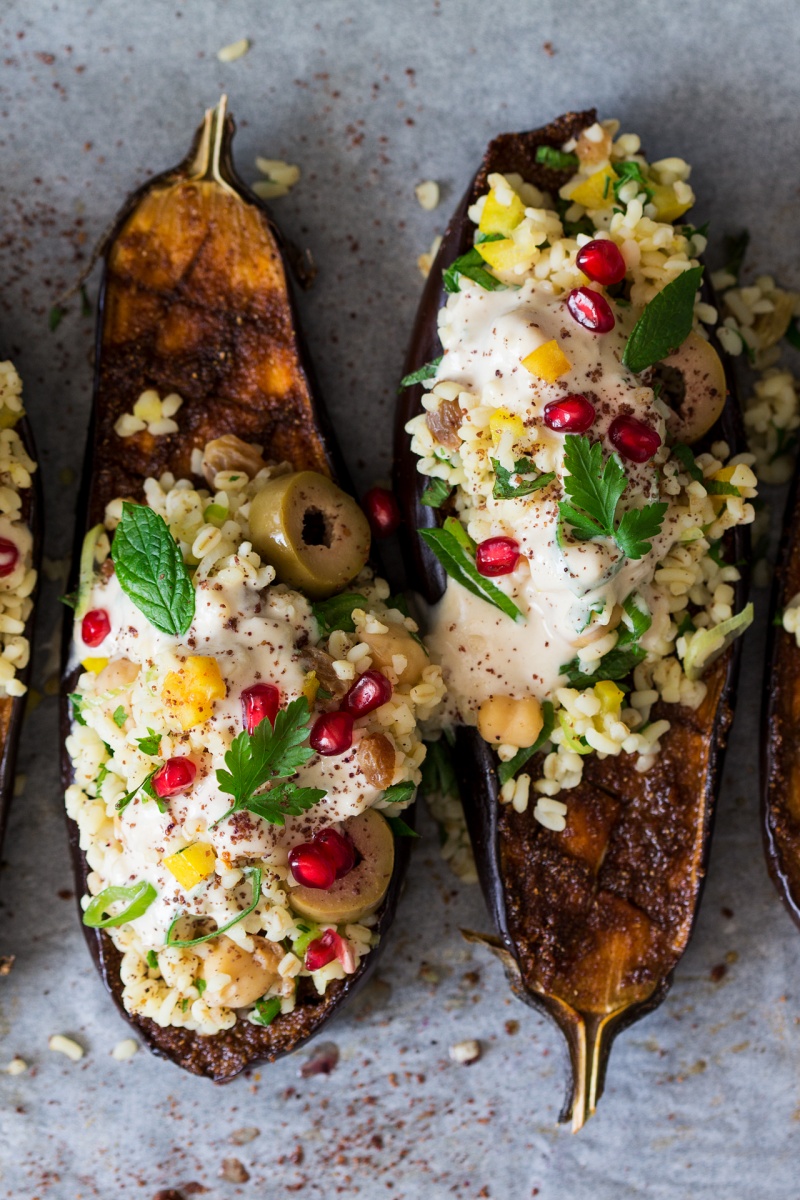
{"x":313,"y":534}
{"x":694,"y":387}
{"x":360,"y":891}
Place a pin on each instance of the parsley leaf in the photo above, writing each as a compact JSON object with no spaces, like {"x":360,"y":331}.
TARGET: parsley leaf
{"x":665,"y":323}
{"x":422,"y":373}
{"x":151,"y":570}
{"x":508,"y":770}
{"x":435,"y":494}
{"x":627,"y":171}
{"x":337,"y":612}
{"x":400,"y":829}
{"x":399,"y":793}
{"x":76,"y":703}
{"x":557,"y":160}
{"x":151,"y":744}
{"x":638,"y":527}
{"x":453,"y":551}
{"x":119,"y":716}
{"x":473,"y":267}
{"x":736,"y":249}
{"x":504,"y":489}
{"x":148,"y":788}
{"x":270,"y":753}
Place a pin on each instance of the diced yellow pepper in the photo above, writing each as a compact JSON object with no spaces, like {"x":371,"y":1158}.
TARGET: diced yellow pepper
{"x":500,"y":218}
{"x":503,"y":256}
{"x":724,"y":475}
{"x":609,"y":695}
{"x":95,"y":665}
{"x":667,"y":205}
{"x":549,"y":362}
{"x":310,"y":687}
{"x":191,"y":865}
{"x":597,"y":191}
{"x":502,"y":421}
{"x":8,"y":419}
{"x":189,"y":693}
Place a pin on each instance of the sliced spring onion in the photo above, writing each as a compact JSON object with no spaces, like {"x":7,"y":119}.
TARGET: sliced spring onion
{"x":255,"y":876}
{"x":139,"y":896}
{"x":707,"y":644}
{"x":266,"y":1011}
{"x":87,"y":570}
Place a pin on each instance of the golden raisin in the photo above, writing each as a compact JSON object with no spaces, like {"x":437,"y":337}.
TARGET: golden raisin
{"x":376,"y":759}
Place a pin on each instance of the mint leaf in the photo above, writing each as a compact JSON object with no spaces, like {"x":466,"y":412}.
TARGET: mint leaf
{"x":615,"y":665}
{"x":337,"y":612}
{"x":504,"y":489}
{"x":119,"y":716}
{"x":460,"y":565}
{"x":151,"y":570}
{"x":427,"y":371}
{"x":665,"y":323}
{"x":399,"y":793}
{"x":435,"y":494}
{"x":638,"y":527}
{"x":557,"y":160}
{"x":508,"y":770}
{"x":473,"y":267}
{"x":150,"y":744}
{"x":438,"y":772}
{"x":285,"y":798}
{"x":719,"y":487}
{"x":400,"y":829}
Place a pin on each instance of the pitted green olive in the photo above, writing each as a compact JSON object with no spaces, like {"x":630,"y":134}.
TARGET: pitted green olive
{"x":360,"y":891}
{"x":694,"y":387}
{"x":313,"y":534}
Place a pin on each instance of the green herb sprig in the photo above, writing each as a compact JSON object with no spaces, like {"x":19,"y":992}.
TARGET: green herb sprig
{"x":665,"y":323}
{"x":427,"y":371}
{"x":185,"y":943}
{"x":455,"y":550}
{"x":505,"y":489}
{"x":151,"y":570}
{"x":508,"y":770}
{"x":473,"y":267}
{"x":626,"y":654}
{"x":139,"y":896}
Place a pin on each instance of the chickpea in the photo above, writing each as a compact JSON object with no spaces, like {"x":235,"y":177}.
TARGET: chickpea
{"x":118,"y":674}
{"x":504,"y":720}
{"x":384,"y":646}
{"x":251,"y":974}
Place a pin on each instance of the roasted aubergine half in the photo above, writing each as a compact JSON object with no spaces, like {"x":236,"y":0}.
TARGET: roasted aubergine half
{"x":241,"y":694}
{"x":568,"y":453}
{"x":20,"y":556}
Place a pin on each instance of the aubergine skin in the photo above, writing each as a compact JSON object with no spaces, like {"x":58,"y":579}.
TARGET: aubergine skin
{"x":196,"y":299}
{"x":780,"y":741}
{"x":12,"y":709}
{"x":590,"y":922}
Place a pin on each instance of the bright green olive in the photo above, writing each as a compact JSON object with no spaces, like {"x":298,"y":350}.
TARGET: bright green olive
{"x":313,"y":534}
{"x":694,"y":387}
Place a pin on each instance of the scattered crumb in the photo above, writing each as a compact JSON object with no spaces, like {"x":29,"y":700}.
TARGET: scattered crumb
{"x":549,"y":49}
{"x":17,"y":1066}
{"x":428,"y":973}
{"x":511,"y":1027}
{"x":466,"y":1052}
{"x":425,"y":261}
{"x":718,"y":973}
{"x":19,"y":783}
{"x":428,"y":194}
{"x":233,"y":1171}
{"x":240,"y":1137}
{"x":65,"y":1045}
{"x":234,"y":50}
{"x":322,"y":1061}
{"x":125,"y":1049}
{"x":6,"y":964}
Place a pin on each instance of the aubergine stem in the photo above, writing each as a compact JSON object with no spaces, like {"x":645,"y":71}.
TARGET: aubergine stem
{"x":591,"y":921}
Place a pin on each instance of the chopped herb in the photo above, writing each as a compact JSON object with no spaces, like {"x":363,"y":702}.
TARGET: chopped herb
{"x":201,"y":985}
{"x":557,"y":160}
{"x":152,"y":960}
{"x":792,"y":334}
{"x":627,"y":171}
{"x":151,"y":744}
{"x":508,"y":770}
{"x":786,"y":443}
{"x":665,"y":323}
{"x":324,"y":694}
{"x":76,"y":701}
{"x":86,"y":304}
{"x":266,"y":1011}
{"x":56,"y":317}
{"x":777,"y":620}
{"x":422,"y":373}
{"x":690,"y":231}
{"x":151,"y":570}
{"x":270,"y":754}
{"x":573,"y":228}
{"x":473,"y":267}
{"x":146,"y":785}
{"x":435,"y":494}
{"x":594,"y":489}
{"x":185,"y":943}
{"x":120,"y":716}
{"x":438,"y":773}
{"x":453,"y":552}
{"x":720,"y":487}
{"x":70,"y":600}
{"x":337,"y":612}
{"x":504,"y":489}
{"x":626,"y":654}
{"x":399,"y":793}
{"x":139,"y":896}
{"x":102,"y":775}
{"x":736,"y":249}
{"x":687,"y":460}
{"x":400,"y":829}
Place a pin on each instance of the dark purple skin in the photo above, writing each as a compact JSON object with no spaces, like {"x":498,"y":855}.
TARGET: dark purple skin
{"x":224,"y":1055}
{"x":475,"y":762}
{"x":32,"y":512}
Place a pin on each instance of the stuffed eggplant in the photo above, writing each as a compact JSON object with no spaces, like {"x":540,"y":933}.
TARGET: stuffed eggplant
{"x":20,"y":553}
{"x":568,"y":452}
{"x":241,"y":693}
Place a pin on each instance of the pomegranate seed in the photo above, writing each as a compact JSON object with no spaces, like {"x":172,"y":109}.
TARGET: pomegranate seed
{"x":323,"y":950}
{"x":573,"y":414}
{"x":260,"y":702}
{"x":591,"y":310}
{"x":176,"y":775}
{"x":497,"y":556}
{"x":340,"y":850}
{"x":332,"y":733}
{"x":9,"y":557}
{"x":633,"y":439}
{"x":602,"y":261}
{"x":370,"y":691}
{"x":382,"y":511}
{"x":95,"y":627}
{"x":312,"y":866}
